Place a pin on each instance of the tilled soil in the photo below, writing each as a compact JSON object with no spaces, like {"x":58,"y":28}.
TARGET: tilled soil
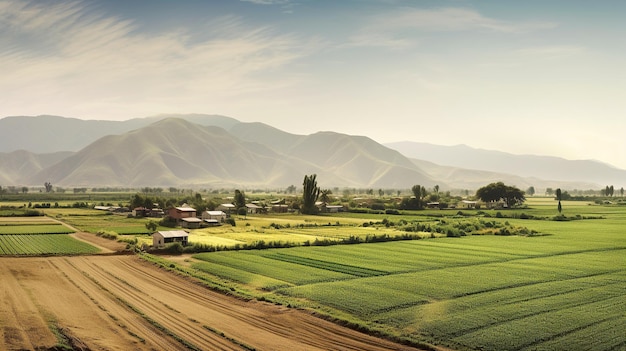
{"x":124,"y":303}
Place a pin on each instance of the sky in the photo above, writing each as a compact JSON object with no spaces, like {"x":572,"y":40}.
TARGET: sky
{"x":545,"y":77}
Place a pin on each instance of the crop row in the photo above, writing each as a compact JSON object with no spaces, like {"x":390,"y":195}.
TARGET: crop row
{"x":35,"y":229}
{"x":331,"y":266}
{"x":20,"y":244}
{"x":545,"y":327}
{"x":241,"y":276}
{"x":469,"y":320}
{"x":280,"y":270}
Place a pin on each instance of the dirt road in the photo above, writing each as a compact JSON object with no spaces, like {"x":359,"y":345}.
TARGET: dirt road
{"x":125,"y":303}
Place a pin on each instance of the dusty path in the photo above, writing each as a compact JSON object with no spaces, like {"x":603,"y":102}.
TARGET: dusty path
{"x":106,"y":246}
{"x":125,"y":303}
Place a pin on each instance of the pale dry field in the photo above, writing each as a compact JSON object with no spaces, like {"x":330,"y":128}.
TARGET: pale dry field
{"x":124,"y":303}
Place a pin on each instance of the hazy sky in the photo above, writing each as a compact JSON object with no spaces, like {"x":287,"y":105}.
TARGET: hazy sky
{"x":533,"y":76}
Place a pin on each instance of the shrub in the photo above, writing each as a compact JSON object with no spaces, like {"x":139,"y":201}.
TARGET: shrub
{"x":168,"y":222}
{"x":174,"y":248}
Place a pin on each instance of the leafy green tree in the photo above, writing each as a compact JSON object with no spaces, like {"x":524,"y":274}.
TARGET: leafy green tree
{"x":310,"y":193}
{"x":240,"y":199}
{"x":494,"y":192}
{"x":291,"y":189}
{"x":549,"y":191}
{"x":558,"y":197}
{"x":420,"y":193}
{"x":152,"y":226}
{"x":530,"y":191}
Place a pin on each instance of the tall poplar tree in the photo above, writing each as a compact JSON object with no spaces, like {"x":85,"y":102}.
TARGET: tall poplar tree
{"x":310,"y":193}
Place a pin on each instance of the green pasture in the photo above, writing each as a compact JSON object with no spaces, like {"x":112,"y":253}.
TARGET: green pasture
{"x":563,"y":289}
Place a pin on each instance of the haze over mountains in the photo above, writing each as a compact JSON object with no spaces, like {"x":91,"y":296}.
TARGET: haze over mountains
{"x":218,"y":151}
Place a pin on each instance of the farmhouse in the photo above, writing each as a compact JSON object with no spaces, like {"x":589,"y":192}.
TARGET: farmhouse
{"x":468,"y":204}
{"x":184,"y":211}
{"x":228,"y":208}
{"x":161,"y":238}
{"x":252,"y":208}
{"x":219,"y":216}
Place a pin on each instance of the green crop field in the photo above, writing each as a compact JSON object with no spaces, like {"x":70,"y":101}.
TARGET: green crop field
{"x":562,"y":290}
{"x":39,"y":236}
{"x":35,"y":229}
{"x":43,"y":244}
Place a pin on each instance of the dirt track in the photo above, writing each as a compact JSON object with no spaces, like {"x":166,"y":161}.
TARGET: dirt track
{"x":125,"y":303}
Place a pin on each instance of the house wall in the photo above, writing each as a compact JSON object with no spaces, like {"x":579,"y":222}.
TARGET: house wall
{"x":178,"y":214}
{"x":157,"y":240}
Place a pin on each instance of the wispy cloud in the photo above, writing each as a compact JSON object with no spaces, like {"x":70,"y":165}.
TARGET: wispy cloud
{"x":65,"y":53}
{"x":452,"y":19}
{"x":394,"y":28}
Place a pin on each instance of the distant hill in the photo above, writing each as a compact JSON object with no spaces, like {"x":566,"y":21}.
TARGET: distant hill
{"x":589,"y":173}
{"x":21,"y":164}
{"x":212,"y":150}
{"x":471,"y":179}
{"x":172,"y":152}
{"x":177,"y":152}
{"x":53,"y":133}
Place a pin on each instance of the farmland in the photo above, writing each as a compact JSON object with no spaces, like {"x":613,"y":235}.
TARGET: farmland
{"x":39,"y":236}
{"x":125,"y":303}
{"x":561,"y":290}
{"x":558,"y":285}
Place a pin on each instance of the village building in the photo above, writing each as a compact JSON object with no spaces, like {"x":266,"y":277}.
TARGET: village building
{"x":334,"y":208}
{"x":468,"y":204}
{"x":219,"y":216}
{"x":190,"y":222}
{"x":161,"y":238}
{"x":227,"y":208}
{"x":211,"y":222}
{"x":280,"y":208}
{"x":184,"y":211}
{"x":253,"y":209}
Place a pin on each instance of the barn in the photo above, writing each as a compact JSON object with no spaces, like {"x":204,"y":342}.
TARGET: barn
{"x":161,"y":238}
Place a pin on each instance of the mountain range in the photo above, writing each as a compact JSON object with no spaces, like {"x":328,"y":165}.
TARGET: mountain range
{"x":218,"y":151}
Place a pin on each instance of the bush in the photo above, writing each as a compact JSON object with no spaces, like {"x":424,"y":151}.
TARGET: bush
{"x":168,"y":222}
{"x":174,"y":248}
{"x":378,"y":206}
{"x":230,"y":221}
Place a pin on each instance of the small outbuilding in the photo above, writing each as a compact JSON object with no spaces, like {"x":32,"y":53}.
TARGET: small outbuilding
{"x":190,"y":222}
{"x":161,"y":238}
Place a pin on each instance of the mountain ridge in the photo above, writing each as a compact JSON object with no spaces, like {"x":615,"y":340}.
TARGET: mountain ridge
{"x":215,"y":150}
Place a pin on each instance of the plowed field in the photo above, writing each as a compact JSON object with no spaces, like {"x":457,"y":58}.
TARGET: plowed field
{"x":125,"y":303}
